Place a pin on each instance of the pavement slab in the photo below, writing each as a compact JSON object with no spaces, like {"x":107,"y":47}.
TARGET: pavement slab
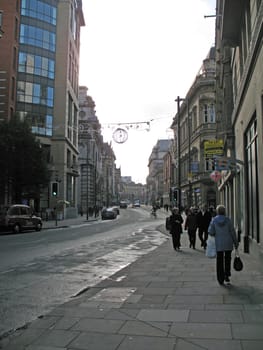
{"x":98,"y":325}
{"x":215,"y":316}
{"x":141,"y":328}
{"x":94,"y":341}
{"x":56,"y":338}
{"x":163,"y":315}
{"x":209,"y":344}
{"x":248,"y":331}
{"x":147,"y":343}
{"x":201,"y":330}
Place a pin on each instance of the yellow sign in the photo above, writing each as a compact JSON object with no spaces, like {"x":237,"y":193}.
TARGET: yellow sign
{"x":214,"y":147}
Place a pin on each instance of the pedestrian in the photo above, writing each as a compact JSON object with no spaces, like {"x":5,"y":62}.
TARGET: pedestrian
{"x":203,"y":220}
{"x":176,"y":221}
{"x":221,"y":227}
{"x":212,"y":211}
{"x":191,"y":227}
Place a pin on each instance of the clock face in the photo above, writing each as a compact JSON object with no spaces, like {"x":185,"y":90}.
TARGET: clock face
{"x":120,"y":135}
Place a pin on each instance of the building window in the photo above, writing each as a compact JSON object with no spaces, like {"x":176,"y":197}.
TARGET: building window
{"x":194,"y":118}
{"x":14,"y":57}
{"x":13,"y":88}
{"x":75,"y":126}
{"x":209,"y":113}
{"x":41,"y":124}
{"x":35,"y":93}
{"x":40,"y":10}
{"x":37,"y":37}
{"x":16,"y":29}
{"x":37,"y":65}
{"x":73,"y":24}
{"x":251,"y":167}
{"x":68,"y":159}
{"x":70,"y":104}
{"x":209,"y":164}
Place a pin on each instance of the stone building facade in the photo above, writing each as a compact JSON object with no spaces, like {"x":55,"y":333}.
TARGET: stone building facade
{"x":155,"y":179}
{"x":194,"y":125}
{"x":239,"y":33}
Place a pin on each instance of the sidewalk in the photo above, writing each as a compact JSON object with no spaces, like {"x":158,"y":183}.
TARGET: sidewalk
{"x":51,"y":224}
{"x":165,"y":300}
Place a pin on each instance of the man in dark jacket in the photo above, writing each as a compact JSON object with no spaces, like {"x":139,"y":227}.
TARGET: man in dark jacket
{"x":191,"y":226}
{"x":203,"y":220}
{"x":176,"y":221}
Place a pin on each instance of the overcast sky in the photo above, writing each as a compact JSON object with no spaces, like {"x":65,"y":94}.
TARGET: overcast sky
{"x":137,"y":56}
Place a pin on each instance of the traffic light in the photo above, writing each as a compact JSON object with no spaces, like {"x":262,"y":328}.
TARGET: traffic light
{"x":54,"y":189}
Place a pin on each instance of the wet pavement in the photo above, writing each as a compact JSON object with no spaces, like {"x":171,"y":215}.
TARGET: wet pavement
{"x":164,"y":300}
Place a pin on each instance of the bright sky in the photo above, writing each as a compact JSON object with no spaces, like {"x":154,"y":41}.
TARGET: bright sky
{"x":137,"y":56}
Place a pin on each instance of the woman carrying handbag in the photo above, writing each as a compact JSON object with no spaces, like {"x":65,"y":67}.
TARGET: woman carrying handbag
{"x":221,"y":227}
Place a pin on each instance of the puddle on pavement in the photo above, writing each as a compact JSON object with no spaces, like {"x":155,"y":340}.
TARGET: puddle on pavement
{"x":113,"y":294}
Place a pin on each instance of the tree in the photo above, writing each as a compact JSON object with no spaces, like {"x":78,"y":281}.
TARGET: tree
{"x":24,"y":169}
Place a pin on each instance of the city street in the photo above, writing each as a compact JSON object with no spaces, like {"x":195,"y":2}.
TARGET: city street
{"x":40,"y":270}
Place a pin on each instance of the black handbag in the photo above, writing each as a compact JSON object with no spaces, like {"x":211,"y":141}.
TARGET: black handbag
{"x":237,"y":264}
{"x":168,"y":223}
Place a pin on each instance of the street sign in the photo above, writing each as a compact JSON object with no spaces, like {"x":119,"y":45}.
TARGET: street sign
{"x":194,"y":167}
{"x":215,"y":176}
{"x":213,"y":147}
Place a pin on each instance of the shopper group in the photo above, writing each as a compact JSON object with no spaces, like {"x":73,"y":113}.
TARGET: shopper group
{"x":207,"y":222}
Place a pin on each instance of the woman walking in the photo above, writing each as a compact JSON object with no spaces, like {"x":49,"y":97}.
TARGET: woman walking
{"x":221,"y":227}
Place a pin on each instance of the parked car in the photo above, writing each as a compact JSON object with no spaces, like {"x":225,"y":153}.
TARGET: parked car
{"x":116,"y":209}
{"x":136,"y":204}
{"x":123,"y":205}
{"x":108,"y":213}
{"x":21,"y":217}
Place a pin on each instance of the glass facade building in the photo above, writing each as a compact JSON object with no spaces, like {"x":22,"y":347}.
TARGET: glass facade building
{"x":36,"y":65}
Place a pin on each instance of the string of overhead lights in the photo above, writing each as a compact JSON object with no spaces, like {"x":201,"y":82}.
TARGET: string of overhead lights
{"x":119,"y":129}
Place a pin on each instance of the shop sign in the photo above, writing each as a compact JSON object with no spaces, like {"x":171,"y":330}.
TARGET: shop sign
{"x":213,"y":148}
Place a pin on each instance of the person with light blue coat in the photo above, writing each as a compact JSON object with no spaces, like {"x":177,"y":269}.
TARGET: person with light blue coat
{"x":222,"y":228}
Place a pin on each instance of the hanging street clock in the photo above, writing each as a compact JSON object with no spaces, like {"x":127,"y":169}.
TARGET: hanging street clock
{"x":120,"y":135}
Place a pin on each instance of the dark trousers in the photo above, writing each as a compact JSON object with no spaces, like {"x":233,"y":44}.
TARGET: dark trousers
{"x":176,"y":236}
{"x":223,"y":265}
{"x":203,"y":235}
{"x":192,"y":237}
